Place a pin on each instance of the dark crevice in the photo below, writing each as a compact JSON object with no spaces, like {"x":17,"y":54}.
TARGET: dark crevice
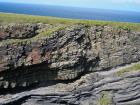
{"x":19,"y":101}
{"x":35,"y":70}
{"x":129,"y":100}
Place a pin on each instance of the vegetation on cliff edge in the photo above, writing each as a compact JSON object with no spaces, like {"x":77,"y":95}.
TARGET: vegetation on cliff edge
{"x":20,"y":18}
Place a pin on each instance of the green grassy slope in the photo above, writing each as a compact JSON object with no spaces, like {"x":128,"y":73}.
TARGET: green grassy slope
{"x":18,"y":18}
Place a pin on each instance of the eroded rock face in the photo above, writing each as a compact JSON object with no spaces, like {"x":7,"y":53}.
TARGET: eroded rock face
{"x":17,"y":31}
{"x":65,"y":54}
{"x":100,"y":88}
{"x":108,"y":90}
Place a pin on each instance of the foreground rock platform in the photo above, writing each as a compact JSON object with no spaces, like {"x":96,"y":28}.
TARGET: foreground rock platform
{"x":100,"y":88}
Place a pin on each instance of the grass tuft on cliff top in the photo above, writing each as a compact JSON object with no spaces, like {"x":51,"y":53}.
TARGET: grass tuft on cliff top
{"x":20,"y":18}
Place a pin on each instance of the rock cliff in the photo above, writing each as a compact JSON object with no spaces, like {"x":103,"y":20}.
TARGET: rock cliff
{"x":34,"y":54}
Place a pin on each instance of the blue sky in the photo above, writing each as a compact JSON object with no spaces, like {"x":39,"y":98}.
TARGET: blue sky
{"x":128,"y":5}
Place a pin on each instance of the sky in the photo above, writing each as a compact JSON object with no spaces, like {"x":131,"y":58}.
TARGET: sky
{"x":127,"y":5}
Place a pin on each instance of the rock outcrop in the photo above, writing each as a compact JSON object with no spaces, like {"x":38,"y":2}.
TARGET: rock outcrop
{"x":100,"y":88}
{"x":66,"y":54}
{"x":17,"y":31}
{"x":33,"y":54}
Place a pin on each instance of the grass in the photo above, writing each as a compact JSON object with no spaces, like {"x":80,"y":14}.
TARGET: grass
{"x":20,"y":18}
{"x":104,"y":99}
{"x":50,"y":31}
{"x":135,"y":67}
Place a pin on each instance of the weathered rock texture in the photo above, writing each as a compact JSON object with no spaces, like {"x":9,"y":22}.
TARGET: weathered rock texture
{"x":66,"y":54}
{"x":17,"y":31}
{"x":27,"y":57}
{"x":100,"y":88}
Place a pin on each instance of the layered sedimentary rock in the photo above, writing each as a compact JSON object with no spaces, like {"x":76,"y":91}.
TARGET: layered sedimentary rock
{"x":65,"y":54}
{"x":34,"y":54}
{"x":100,"y":88}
